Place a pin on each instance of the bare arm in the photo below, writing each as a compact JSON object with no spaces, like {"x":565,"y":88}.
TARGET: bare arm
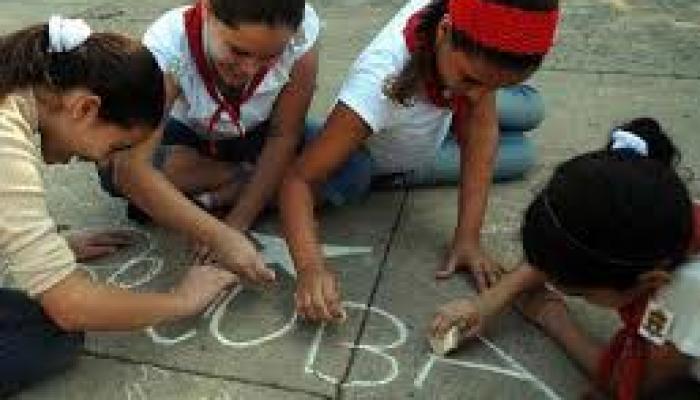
{"x":478,"y":138}
{"x":477,"y":131}
{"x":285,"y":128}
{"x":504,"y":293}
{"x":343,"y":134}
{"x":317,"y":292}
{"x":473,"y":315}
{"x":78,"y":304}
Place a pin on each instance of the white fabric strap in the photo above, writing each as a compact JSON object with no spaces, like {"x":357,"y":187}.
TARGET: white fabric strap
{"x":67,"y":34}
{"x":622,"y":139}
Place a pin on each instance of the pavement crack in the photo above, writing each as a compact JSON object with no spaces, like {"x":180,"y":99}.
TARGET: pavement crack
{"x":207,"y":375}
{"x":365,"y":317}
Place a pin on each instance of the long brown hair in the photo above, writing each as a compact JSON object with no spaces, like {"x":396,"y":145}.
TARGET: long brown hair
{"x":121,"y":71}
{"x":404,"y":87}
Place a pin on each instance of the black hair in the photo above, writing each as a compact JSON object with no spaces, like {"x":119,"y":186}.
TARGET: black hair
{"x":403,"y":87}
{"x":275,"y":13}
{"x":120,"y":70}
{"x":608,"y":216}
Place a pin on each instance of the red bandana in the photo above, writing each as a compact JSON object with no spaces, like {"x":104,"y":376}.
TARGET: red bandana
{"x":695,"y":243}
{"x":504,"y":28}
{"x":626,"y":354}
{"x":194,"y":24}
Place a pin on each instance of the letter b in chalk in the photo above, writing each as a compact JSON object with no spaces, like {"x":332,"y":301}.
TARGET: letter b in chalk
{"x":380,"y":350}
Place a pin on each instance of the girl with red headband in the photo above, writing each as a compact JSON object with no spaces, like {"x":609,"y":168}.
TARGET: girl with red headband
{"x":617,"y":227}
{"x":434,"y":69}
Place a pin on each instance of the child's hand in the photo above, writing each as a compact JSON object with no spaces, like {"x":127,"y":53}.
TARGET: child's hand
{"x":204,"y":255}
{"x":94,"y":243}
{"x":200,"y":286}
{"x":317,"y":296}
{"x":238,"y":254}
{"x":464,"y":254}
{"x":464,"y":313}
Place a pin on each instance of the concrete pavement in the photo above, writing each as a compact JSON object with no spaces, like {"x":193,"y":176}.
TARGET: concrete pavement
{"x":615,"y":60}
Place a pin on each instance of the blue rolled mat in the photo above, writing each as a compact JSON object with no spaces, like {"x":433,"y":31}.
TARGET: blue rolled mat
{"x":516,"y":155}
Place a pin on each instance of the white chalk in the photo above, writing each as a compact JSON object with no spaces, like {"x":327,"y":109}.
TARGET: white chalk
{"x":447,"y":343}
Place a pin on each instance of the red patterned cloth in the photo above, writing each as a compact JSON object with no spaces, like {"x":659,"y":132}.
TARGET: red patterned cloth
{"x":626,"y":355}
{"x":695,"y":242}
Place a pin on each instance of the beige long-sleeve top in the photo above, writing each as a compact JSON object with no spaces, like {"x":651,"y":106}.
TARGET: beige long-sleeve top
{"x":36,"y":256}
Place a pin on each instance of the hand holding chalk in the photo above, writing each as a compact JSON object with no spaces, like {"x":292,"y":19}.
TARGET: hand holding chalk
{"x":317,"y":296}
{"x":453,"y":322}
{"x":444,"y":344}
{"x":200,"y":287}
{"x":237,"y":253}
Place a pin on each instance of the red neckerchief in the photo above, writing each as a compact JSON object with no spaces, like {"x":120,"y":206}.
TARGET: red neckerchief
{"x":194,"y":24}
{"x":626,"y":354}
{"x":695,"y":242}
{"x":431,"y":85}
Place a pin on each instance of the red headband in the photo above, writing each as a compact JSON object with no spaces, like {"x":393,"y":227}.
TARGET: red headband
{"x":504,"y":28}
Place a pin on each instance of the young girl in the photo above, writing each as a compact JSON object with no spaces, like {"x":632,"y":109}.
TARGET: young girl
{"x":240,"y":76}
{"x":88,"y":95}
{"x":617,"y":227}
{"x":434,"y":68}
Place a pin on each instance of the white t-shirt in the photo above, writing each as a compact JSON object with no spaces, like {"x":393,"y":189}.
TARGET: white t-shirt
{"x":682,"y":298}
{"x":167,"y":39}
{"x":404,"y":138}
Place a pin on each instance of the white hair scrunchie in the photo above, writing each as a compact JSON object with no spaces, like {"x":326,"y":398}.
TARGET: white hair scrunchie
{"x":67,"y":34}
{"x":625,"y":140}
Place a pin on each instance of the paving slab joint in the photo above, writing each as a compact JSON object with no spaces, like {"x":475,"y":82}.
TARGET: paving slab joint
{"x":375,"y":287}
{"x":206,"y":375}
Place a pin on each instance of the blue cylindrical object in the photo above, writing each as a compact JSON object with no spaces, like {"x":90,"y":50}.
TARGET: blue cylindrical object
{"x":516,"y":155}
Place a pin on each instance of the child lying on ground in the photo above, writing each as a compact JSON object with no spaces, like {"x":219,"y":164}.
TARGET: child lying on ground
{"x":618,"y":227}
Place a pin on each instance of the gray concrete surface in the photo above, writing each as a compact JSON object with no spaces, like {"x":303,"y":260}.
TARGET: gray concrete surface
{"x":616,"y":59}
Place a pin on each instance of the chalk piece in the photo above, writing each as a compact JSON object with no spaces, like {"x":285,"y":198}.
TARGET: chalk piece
{"x":445,"y":344}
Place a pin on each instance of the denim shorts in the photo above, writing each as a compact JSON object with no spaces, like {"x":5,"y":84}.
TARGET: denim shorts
{"x":32,"y":347}
{"x":349,"y":184}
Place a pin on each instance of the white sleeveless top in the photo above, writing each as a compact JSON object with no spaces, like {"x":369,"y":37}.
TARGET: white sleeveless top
{"x":167,"y":39}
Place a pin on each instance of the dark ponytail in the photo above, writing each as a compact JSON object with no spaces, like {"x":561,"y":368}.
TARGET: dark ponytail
{"x":608,"y":216}
{"x":121,"y":71}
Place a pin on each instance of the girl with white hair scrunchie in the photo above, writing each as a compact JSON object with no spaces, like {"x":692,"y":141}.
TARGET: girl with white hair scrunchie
{"x":92,"y":104}
{"x":618,"y":228}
